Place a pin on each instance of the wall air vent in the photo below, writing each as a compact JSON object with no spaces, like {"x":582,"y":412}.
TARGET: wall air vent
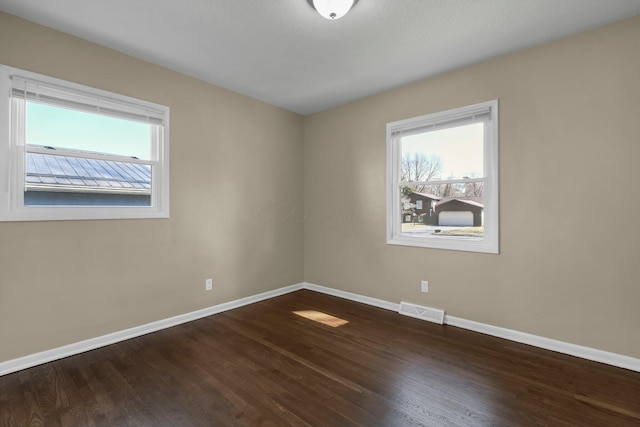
{"x":424,"y":313}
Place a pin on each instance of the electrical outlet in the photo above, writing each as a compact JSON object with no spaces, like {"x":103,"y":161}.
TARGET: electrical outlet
{"x":208,"y":284}
{"x":424,"y":286}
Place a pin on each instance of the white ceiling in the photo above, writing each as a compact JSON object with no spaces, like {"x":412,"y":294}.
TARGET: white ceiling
{"x":283,"y":53}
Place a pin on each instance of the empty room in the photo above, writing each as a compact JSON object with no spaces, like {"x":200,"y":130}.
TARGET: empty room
{"x":319,"y":213}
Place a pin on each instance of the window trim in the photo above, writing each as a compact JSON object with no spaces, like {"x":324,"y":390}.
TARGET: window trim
{"x":490,"y":240}
{"x":13,"y":148}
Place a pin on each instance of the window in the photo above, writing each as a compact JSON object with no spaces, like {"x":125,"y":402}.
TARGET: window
{"x":449,"y":159}
{"x":75,"y":152}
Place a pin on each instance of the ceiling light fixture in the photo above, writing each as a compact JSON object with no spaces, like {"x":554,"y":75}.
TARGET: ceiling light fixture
{"x":332,"y":9}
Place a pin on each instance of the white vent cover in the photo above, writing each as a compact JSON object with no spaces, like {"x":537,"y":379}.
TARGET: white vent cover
{"x":424,"y":313}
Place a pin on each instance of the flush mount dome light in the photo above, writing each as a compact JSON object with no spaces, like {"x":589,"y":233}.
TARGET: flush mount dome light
{"x":332,"y":9}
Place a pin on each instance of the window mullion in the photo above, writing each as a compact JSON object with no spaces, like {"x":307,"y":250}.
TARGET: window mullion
{"x":439,"y":182}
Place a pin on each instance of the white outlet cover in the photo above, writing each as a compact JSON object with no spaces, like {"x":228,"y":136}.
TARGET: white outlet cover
{"x":424,"y":286}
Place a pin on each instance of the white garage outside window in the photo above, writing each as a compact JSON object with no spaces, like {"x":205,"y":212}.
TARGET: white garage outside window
{"x":451,"y":158}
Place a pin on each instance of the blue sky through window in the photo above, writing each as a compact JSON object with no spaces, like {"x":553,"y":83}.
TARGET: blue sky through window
{"x":65,"y":128}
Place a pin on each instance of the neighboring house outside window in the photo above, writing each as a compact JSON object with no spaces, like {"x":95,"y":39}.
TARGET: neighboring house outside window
{"x":76,"y":152}
{"x":419,"y":206}
{"x":442,"y":180}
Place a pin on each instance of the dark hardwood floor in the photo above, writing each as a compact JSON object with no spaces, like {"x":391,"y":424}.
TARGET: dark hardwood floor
{"x":263,"y":365}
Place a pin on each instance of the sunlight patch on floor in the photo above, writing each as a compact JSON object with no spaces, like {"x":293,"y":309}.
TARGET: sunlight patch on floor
{"x":320,"y":317}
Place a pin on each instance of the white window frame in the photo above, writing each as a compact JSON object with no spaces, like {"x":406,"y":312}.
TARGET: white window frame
{"x":13,"y":146}
{"x":490,"y":240}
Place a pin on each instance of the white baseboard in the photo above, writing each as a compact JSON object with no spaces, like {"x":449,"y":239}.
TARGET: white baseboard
{"x":31,"y":360}
{"x":534,"y":340}
{"x":353,"y":297}
{"x":588,"y":353}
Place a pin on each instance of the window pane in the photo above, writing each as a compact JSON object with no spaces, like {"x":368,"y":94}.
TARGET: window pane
{"x":452,"y":153}
{"x":77,"y":130}
{"x":73,"y":172}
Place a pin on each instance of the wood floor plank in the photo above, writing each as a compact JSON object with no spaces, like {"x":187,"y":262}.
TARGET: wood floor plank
{"x":264,"y":365}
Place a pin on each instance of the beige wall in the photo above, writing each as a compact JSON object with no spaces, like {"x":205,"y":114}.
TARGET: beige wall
{"x":569,"y":145}
{"x":231,"y":157}
{"x":569,"y":267}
